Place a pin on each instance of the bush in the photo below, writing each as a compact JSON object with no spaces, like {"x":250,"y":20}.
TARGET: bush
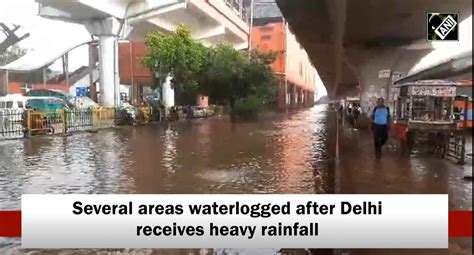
{"x":248,"y":108}
{"x":227,"y":109}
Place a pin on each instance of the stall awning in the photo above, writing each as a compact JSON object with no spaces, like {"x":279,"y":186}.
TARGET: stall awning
{"x":454,"y":67}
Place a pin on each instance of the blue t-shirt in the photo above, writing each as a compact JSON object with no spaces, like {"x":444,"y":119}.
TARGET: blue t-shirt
{"x":381,"y":115}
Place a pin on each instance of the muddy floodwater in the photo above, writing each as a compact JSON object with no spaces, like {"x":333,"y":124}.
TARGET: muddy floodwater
{"x":281,"y":153}
{"x":285,"y":153}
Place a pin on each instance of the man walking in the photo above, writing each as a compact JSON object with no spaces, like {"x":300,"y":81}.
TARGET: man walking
{"x":355,"y":115}
{"x":380,"y":126}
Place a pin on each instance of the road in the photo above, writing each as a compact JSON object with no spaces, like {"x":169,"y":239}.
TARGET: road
{"x":285,"y":153}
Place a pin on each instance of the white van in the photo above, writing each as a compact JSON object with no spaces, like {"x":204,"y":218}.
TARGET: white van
{"x":11,"y":110}
{"x":13,"y":102}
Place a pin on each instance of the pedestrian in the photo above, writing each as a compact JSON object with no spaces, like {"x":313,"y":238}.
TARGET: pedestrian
{"x":355,"y":115}
{"x":380,"y":126}
{"x":340,"y":112}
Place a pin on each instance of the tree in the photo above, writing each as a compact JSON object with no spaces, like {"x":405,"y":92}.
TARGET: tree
{"x":232,"y":77}
{"x":11,"y":54}
{"x":222,"y":77}
{"x":179,"y":56}
{"x":226,"y":75}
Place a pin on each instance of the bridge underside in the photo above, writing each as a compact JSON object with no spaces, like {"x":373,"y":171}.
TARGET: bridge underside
{"x":349,"y":42}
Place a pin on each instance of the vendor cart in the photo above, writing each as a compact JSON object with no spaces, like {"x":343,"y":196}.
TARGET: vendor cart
{"x":424,"y":116}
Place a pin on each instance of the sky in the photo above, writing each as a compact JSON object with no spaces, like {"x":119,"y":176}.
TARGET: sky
{"x":45,"y":34}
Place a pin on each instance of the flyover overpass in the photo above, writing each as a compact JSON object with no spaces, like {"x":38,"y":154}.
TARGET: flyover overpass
{"x":210,"y":21}
{"x":349,"y":42}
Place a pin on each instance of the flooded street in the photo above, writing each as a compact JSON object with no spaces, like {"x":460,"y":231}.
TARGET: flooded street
{"x":278,"y":154}
{"x":286,"y":153}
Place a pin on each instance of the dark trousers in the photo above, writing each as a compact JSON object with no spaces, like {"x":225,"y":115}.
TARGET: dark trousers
{"x":355,"y":120}
{"x":380,"y":137}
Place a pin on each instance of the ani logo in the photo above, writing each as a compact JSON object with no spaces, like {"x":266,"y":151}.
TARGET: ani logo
{"x":443,"y":27}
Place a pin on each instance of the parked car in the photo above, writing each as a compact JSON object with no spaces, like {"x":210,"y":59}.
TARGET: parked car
{"x":201,"y":112}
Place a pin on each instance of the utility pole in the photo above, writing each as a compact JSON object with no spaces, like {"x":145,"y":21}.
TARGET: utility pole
{"x":252,"y":3}
{"x":11,"y":37}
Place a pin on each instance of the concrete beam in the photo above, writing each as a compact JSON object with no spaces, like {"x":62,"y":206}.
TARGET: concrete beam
{"x":162,"y":24}
{"x":242,"y":46}
{"x":209,"y":33}
{"x":371,"y":61}
{"x":156,"y":12}
{"x":104,"y":27}
{"x":113,"y":8}
{"x":49,"y":12}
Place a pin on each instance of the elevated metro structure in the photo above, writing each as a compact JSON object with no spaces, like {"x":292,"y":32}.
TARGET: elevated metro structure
{"x":359,"y":46}
{"x":211,"y":21}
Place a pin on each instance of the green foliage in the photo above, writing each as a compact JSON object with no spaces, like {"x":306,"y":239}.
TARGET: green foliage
{"x":226,"y":75}
{"x":232,"y":76}
{"x":177,"y":55}
{"x":248,"y":108}
{"x":221,"y":80}
{"x":11,"y":54}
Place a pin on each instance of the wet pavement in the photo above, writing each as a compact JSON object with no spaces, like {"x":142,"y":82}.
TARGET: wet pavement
{"x":360,"y":173}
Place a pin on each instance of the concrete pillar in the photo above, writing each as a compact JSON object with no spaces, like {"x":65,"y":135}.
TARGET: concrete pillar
{"x":281,"y":96}
{"x":293,"y":94}
{"x":298,"y":96}
{"x":167,"y":93}
{"x":3,"y":83}
{"x":306,"y":98}
{"x":107,"y":60}
{"x":107,"y":30}
{"x":371,"y":61}
{"x":93,"y":52}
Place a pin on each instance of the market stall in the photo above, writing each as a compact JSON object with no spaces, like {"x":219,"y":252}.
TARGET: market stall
{"x":424,"y":116}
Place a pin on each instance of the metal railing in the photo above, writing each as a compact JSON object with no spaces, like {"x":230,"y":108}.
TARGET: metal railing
{"x":25,"y":123}
{"x":11,"y":125}
{"x":78,"y":120}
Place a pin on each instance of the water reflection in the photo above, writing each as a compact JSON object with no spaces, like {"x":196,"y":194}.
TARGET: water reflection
{"x":279,"y":154}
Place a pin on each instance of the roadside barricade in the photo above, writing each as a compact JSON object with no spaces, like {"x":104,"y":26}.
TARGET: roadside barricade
{"x":103,"y":117}
{"x":40,"y":123}
{"x":144,"y":114}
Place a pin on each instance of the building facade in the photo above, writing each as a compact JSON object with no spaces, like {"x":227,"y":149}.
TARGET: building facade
{"x":297,"y":75}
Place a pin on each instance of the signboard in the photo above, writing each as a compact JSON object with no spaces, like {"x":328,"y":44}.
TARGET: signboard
{"x":384,"y":73}
{"x":81,"y":91}
{"x":440,"y":91}
{"x":352,"y":99}
{"x":397,"y":76}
